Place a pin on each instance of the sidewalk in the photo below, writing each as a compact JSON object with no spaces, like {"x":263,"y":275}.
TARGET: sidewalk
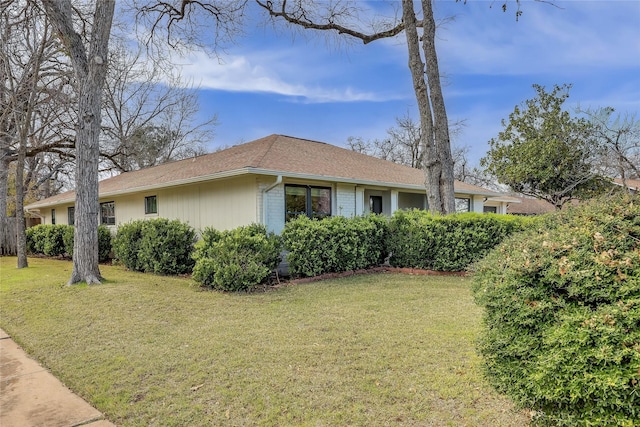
{"x":31,"y":396}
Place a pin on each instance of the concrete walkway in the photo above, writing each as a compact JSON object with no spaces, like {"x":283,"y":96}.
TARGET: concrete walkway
{"x":31,"y":396}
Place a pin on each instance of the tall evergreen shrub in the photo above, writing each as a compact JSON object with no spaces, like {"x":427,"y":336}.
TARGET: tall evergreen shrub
{"x":562,"y":315}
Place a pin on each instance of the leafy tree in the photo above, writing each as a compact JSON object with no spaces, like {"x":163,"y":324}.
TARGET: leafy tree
{"x":544,"y":152}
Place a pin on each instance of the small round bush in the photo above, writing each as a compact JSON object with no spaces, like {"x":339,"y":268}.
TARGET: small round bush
{"x":166,"y":246}
{"x":562,"y":315}
{"x":236,"y":260}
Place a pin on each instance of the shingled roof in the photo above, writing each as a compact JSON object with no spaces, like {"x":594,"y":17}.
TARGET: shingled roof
{"x":272,"y":155}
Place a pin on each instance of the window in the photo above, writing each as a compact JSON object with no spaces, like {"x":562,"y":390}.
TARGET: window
{"x":53,"y":216}
{"x":490,"y":209}
{"x":463,"y":204}
{"x":71,"y":215}
{"x":150,"y":205}
{"x":108,"y":213}
{"x":375,"y":204}
{"x":314,"y":202}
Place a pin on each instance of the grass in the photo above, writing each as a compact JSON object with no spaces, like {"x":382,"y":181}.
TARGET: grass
{"x":146,"y":350}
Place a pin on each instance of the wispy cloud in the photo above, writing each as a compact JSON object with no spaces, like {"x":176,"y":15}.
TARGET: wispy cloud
{"x":275,"y":72}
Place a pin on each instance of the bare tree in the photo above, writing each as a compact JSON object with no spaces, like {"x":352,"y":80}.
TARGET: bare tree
{"x":619,"y":137}
{"x":90,"y":68}
{"x":30,"y":102}
{"x":149,"y":114}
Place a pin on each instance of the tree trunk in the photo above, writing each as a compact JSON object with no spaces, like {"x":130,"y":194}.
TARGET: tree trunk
{"x":90,"y":71}
{"x":442,"y":141}
{"x":20,"y":226}
{"x":431,"y":162}
{"x":4,"y":194}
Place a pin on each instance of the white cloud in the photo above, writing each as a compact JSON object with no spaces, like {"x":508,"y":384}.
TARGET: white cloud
{"x":277,"y":72}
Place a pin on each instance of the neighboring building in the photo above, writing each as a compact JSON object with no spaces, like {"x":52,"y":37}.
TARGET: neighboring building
{"x":633,"y":185}
{"x":266,"y":181}
{"x":530,"y":206}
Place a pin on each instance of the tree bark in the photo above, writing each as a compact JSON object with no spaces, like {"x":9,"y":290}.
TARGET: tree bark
{"x":21,"y":241}
{"x":437,"y":162}
{"x":442,"y":141}
{"x":90,"y":70}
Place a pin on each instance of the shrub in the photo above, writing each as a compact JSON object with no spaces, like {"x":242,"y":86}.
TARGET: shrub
{"x":36,"y":239}
{"x":126,"y":245}
{"x":562,"y":315}
{"x":334,"y":244}
{"x":46,"y":239}
{"x":236,"y":260}
{"x":418,"y":239}
{"x":104,"y":242}
{"x":158,"y":245}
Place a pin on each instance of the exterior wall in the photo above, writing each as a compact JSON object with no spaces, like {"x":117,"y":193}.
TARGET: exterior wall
{"x":62,"y":216}
{"x":345,"y":200}
{"x":274,"y":208}
{"x":223,"y":204}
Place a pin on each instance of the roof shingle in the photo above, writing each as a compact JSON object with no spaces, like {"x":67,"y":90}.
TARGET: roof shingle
{"x":274,"y":154}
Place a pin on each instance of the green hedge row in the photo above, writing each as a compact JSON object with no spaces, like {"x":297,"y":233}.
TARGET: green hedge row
{"x":156,"y":245}
{"x":57,"y":240}
{"x":236,"y":260}
{"x":334,"y":244}
{"x":562,"y":316}
{"x":418,"y":239}
{"x":411,"y":239}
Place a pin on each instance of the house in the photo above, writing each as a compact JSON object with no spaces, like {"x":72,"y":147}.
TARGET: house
{"x":268,"y":181}
{"x":530,"y":206}
{"x":633,"y":185}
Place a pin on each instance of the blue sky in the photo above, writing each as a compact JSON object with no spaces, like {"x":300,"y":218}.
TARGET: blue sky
{"x":270,"y":82}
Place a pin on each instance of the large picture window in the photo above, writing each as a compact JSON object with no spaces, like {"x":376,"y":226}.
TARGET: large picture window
{"x":314,"y":202}
{"x":108,"y":213}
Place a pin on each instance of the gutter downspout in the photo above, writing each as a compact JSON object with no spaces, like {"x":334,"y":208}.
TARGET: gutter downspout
{"x":264,"y":198}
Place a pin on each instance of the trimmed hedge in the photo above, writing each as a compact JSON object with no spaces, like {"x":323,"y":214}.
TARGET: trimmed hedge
{"x":158,"y":245}
{"x":418,"y":239}
{"x":562,"y":315}
{"x":334,"y":244}
{"x":57,"y":240}
{"x":236,"y":260}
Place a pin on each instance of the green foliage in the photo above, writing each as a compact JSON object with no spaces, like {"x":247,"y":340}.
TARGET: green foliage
{"x":126,"y":244}
{"x":418,"y":239}
{"x":236,"y":260}
{"x":46,"y":239}
{"x":36,"y":239}
{"x":544,"y":152}
{"x":562,"y":322}
{"x":104,"y":242}
{"x":157,"y":245}
{"x":334,"y":244}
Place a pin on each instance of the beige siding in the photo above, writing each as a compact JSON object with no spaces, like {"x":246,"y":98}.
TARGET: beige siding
{"x":62,"y":216}
{"x":223,"y":204}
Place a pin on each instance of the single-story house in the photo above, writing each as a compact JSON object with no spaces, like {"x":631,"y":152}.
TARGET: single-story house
{"x":268,"y":181}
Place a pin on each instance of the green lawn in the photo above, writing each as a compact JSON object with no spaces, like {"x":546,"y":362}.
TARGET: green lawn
{"x":372,"y":350}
